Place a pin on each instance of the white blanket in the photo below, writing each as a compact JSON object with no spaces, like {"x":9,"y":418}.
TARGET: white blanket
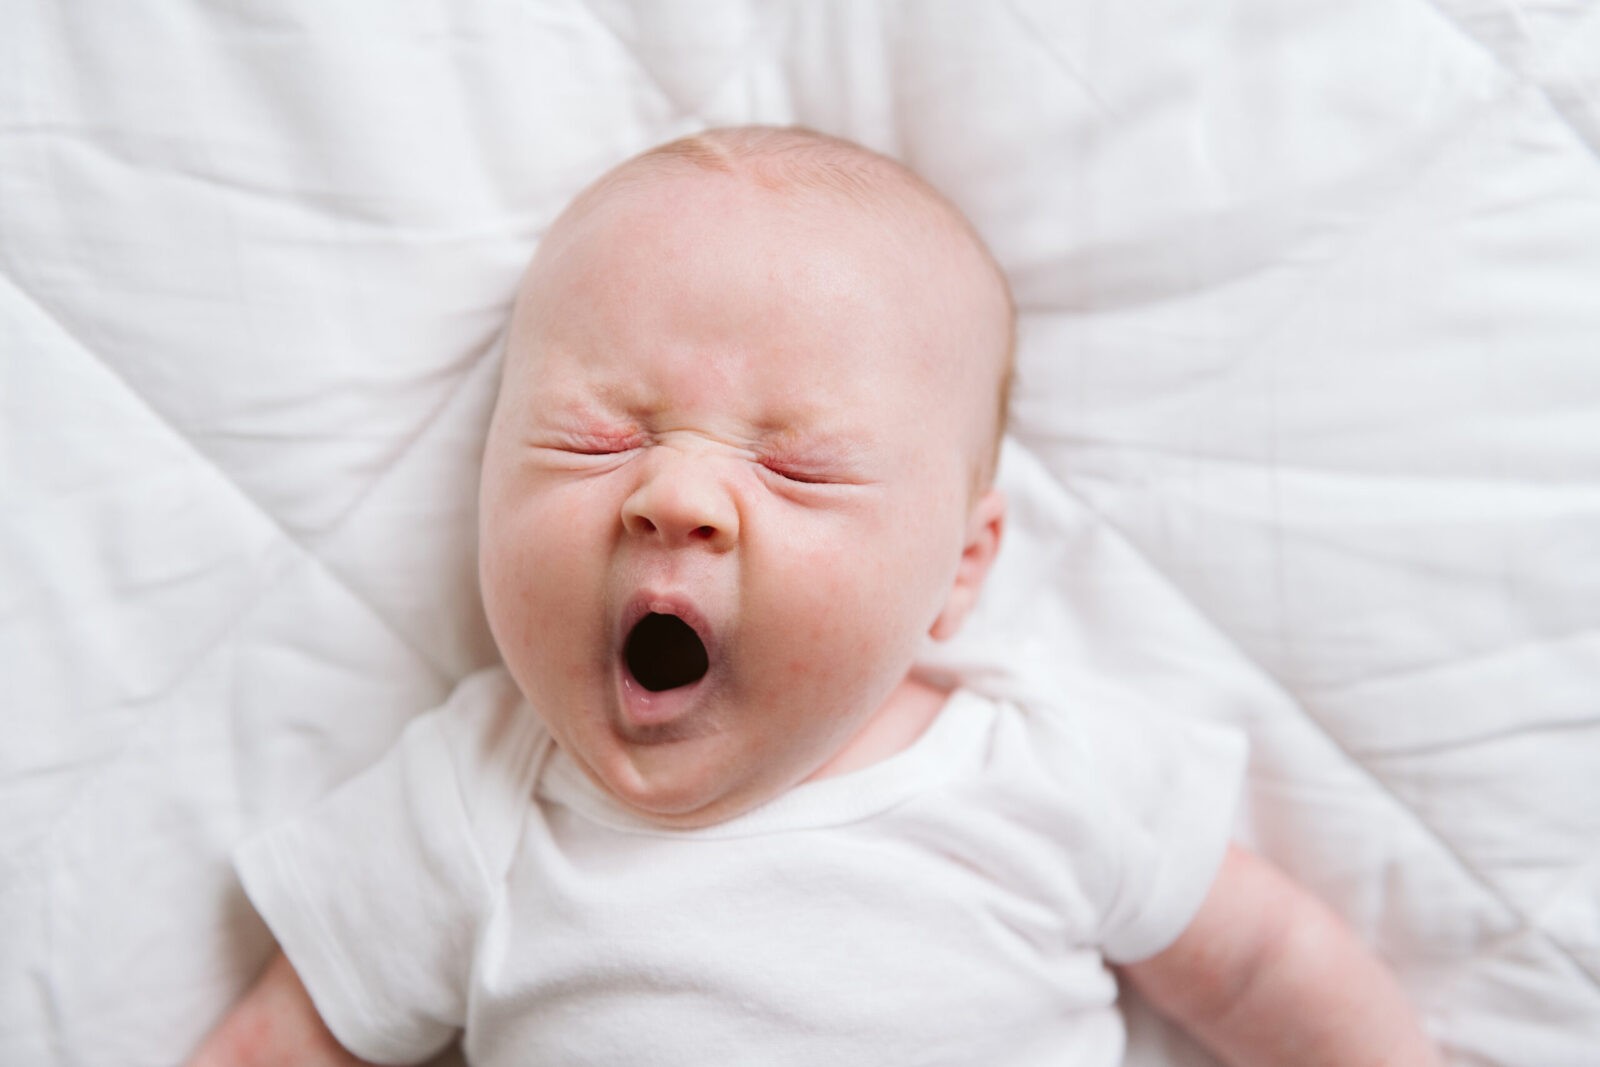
{"x":1308,"y":428}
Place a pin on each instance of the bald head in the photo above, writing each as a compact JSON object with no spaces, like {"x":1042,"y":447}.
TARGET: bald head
{"x":815,"y":171}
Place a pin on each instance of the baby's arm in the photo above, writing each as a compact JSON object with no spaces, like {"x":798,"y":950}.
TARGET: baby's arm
{"x":275,"y":1024}
{"x":1266,"y":974}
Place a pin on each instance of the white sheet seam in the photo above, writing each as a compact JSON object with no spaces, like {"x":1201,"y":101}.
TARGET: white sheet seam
{"x":1521,"y":76}
{"x":222,"y":476}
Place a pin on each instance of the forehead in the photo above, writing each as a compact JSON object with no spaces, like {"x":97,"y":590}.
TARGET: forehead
{"x":722,"y":236}
{"x":701,"y":259}
{"x":709,"y":244}
{"x":711,"y":271}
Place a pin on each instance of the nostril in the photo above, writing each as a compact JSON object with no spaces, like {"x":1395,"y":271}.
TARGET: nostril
{"x":679,"y":518}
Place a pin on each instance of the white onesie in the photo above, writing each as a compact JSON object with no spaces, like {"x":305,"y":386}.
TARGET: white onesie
{"x":952,"y":904}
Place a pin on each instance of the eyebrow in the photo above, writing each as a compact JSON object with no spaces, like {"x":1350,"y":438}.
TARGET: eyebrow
{"x":594,"y":402}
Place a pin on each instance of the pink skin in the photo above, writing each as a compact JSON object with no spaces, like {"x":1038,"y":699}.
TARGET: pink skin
{"x":759,"y":411}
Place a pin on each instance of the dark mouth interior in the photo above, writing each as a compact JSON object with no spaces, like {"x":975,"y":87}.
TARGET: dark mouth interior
{"x":664,"y":652}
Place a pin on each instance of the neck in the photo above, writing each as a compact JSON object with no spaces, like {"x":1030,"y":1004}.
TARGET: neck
{"x":892,"y":729}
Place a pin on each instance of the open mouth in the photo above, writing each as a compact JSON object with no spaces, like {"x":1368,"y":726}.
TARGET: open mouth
{"x":663,"y":652}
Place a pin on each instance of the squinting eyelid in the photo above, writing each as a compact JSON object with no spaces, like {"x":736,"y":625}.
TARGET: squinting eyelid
{"x":798,"y":475}
{"x":819,"y":475}
{"x":601,"y":441}
{"x":609,"y":448}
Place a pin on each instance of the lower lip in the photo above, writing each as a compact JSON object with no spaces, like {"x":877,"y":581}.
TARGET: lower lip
{"x":653,"y":716}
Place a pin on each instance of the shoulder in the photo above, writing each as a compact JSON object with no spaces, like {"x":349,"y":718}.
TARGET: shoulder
{"x":486,"y":720}
{"x":1118,"y":742}
{"x":481,"y":749}
{"x":1160,"y":792}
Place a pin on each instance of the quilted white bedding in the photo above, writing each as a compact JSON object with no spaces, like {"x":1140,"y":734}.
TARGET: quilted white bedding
{"x":1307,"y":431}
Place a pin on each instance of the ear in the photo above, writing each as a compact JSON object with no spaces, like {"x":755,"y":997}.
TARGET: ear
{"x":984,"y":528}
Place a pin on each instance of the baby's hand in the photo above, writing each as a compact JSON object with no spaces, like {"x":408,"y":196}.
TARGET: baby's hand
{"x":1267,"y":975}
{"x":274,"y":1025}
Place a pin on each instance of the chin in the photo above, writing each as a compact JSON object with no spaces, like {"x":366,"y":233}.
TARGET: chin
{"x":671,"y":797}
{"x":696,"y":819}
{"x":691,"y":809}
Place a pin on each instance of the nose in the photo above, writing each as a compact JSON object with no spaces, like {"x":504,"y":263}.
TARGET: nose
{"x":682,"y":501}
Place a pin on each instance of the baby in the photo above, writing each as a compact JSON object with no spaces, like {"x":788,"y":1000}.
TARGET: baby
{"x":711,"y":811}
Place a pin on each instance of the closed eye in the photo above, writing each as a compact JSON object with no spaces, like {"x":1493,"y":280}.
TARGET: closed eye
{"x":600,"y":444}
{"x":586,"y":453}
{"x":598,"y":450}
{"x":799,"y":475}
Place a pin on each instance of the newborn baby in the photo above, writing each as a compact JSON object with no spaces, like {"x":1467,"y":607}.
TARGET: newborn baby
{"x":710,"y":811}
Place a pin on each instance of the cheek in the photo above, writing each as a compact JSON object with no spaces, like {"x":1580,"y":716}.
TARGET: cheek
{"x":536,"y":559}
{"x":848,"y":617}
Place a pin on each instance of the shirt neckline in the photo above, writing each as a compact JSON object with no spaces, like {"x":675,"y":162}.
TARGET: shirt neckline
{"x":952,"y":741}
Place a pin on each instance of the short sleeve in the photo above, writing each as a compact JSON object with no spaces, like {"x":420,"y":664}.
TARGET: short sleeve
{"x":1171,"y":791}
{"x":377,"y":893}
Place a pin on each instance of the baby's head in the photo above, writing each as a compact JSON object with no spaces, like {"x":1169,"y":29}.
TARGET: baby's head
{"x":740,"y":464}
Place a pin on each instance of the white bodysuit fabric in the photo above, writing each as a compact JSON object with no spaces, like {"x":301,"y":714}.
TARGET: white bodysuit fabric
{"x":956,"y":903}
